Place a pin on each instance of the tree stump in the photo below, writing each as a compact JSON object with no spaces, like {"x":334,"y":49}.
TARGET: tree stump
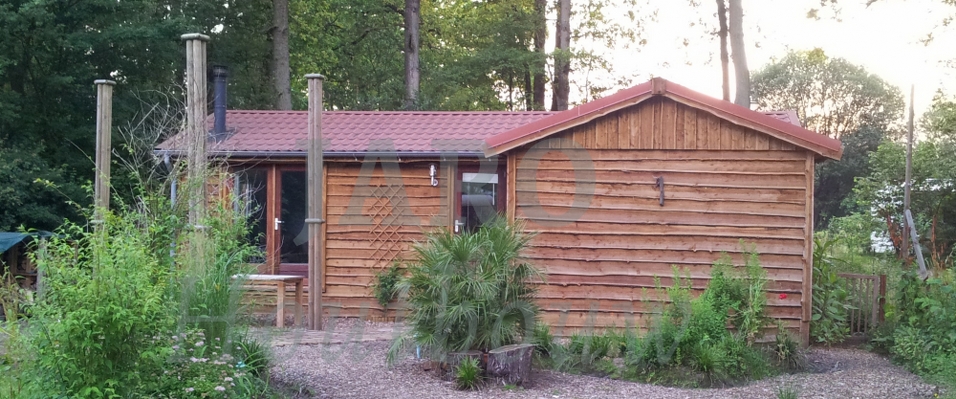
{"x":447,"y":369}
{"x":511,"y":364}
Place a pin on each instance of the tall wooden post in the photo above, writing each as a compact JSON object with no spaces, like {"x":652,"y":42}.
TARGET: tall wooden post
{"x":104,"y":129}
{"x":196,"y":125}
{"x":314,"y":218}
{"x":907,"y":182}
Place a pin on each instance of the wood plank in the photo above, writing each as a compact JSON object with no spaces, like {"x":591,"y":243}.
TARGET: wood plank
{"x":634,"y":129}
{"x":668,"y":125}
{"x":690,"y":193}
{"x":637,"y":231}
{"x":808,"y":251}
{"x":762,"y":142}
{"x":651,"y":203}
{"x":692,"y":165}
{"x":617,"y":155}
{"x":623,"y":118}
{"x":598,"y":292}
{"x":600,"y":132}
{"x":667,"y":243}
{"x":547,"y":254}
{"x":788,"y":269}
{"x":690,"y":128}
{"x":510,"y":186}
{"x":676,"y":178}
{"x":657,"y":141}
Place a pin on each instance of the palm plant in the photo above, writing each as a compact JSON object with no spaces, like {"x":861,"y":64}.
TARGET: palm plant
{"x":469,"y":291}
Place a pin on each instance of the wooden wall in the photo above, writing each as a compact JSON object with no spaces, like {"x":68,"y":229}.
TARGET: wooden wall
{"x":372,"y":221}
{"x":602,"y":244}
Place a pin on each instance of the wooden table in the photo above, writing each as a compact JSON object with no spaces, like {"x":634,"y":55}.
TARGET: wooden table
{"x":281,"y":280}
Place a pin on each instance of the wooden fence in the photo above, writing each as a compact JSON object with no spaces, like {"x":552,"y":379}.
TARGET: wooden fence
{"x":867,"y":295}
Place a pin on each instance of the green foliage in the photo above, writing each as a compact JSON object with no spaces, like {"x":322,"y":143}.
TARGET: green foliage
{"x":829,"y":323}
{"x":468,"y":374}
{"x":207,"y":292}
{"x":787,"y":349}
{"x":787,"y":392}
{"x":385,"y":287}
{"x":197,"y":368}
{"x":252,"y":355}
{"x":469,"y":291}
{"x":689,"y":343}
{"x":91,"y":338}
{"x":839,"y":99}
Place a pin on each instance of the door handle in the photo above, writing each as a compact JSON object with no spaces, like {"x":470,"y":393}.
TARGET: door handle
{"x":458,"y":225}
{"x":277,"y":222}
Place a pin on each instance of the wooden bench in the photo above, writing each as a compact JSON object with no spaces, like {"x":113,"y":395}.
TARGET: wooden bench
{"x":280,"y":281}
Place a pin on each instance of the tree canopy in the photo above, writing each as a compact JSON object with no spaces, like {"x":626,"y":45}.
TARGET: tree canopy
{"x":831,"y":95}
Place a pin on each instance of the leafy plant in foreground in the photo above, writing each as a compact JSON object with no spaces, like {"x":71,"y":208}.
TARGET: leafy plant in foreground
{"x":831,"y":306}
{"x":469,"y":291}
{"x":385,"y":287}
{"x":468,"y":374}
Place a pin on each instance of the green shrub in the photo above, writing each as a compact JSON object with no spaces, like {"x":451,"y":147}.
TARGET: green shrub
{"x":690,"y":335}
{"x":789,"y":353}
{"x":104,"y":307}
{"x":831,"y":305}
{"x":469,"y":291}
{"x":542,"y":339}
{"x":386,"y":284}
{"x":468,"y":374}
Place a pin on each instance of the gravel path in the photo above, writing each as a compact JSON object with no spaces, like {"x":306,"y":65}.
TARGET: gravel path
{"x":357,"y":370}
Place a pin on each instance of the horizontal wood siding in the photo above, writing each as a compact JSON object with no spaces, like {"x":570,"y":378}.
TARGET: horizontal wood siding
{"x":603,"y":238}
{"x":372,"y":221}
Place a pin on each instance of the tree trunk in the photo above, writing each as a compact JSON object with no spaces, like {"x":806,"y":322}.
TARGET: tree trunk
{"x":724,"y":57}
{"x":528,"y":92}
{"x":412,"y":73}
{"x":511,"y":364}
{"x":562,"y":57}
{"x":540,"y":36}
{"x":280,"y":54}
{"x":741,"y":73}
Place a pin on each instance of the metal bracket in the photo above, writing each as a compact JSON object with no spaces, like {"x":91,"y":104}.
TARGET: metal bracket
{"x":314,"y":221}
{"x":660,"y":184}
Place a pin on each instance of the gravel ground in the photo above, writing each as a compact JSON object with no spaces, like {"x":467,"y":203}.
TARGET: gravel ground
{"x":357,"y":370}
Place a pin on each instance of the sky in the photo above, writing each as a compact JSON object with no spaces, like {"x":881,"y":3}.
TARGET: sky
{"x":885,"y":38}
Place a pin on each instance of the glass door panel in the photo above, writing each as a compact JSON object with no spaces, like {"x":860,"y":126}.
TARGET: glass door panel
{"x":252,"y":195}
{"x":293,"y":234}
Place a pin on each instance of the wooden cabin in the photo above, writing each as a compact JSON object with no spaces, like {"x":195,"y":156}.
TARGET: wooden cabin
{"x":619,"y":190}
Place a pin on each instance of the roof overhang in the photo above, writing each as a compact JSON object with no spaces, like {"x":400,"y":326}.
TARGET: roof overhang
{"x":819,"y":144}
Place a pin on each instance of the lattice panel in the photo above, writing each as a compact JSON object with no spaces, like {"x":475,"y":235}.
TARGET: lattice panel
{"x":387,"y":218}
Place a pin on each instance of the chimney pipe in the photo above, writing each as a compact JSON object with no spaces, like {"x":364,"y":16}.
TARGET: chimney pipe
{"x":220,"y":75}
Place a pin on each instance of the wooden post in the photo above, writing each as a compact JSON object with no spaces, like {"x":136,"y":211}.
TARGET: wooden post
{"x":196,"y":124}
{"x":923,"y":273}
{"x":314,"y":218}
{"x":907,"y":182}
{"x":104,"y":129}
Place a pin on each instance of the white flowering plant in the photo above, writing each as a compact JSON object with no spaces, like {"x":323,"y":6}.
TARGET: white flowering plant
{"x":199,"y":368}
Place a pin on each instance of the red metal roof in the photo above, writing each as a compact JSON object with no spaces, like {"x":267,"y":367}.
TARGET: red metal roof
{"x":262,"y":133}
{"x":782,"y":125}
